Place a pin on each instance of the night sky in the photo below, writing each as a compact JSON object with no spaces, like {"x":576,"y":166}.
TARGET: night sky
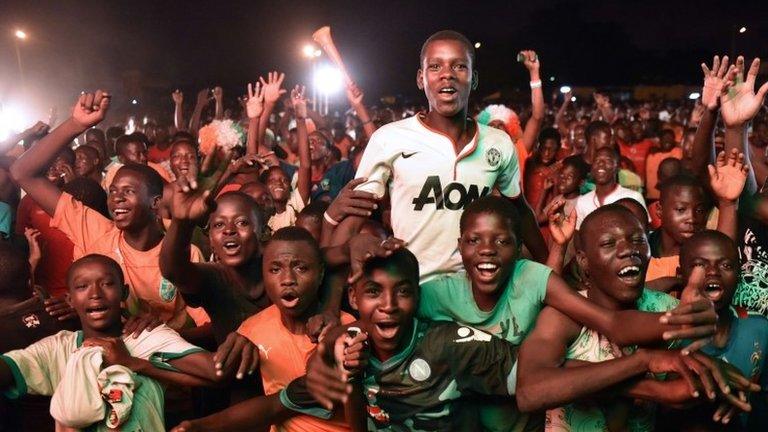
{"x":75,"y":45}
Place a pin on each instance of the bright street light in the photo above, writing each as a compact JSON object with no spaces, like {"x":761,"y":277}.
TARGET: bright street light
{"x":477,"y":45}
{"x":694,"y":95}
{"x":309,"y":50}
{"x":328,"y":80}
{"x":565,"y":89}
{"x":742,"y":30}
{"x":552,"y":78}
{"x":20,"y":34}
{"x":134,"y":102}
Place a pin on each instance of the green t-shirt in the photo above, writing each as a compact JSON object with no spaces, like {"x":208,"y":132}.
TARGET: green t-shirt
{"x":593,"y":347}
{"x":449,"y":298}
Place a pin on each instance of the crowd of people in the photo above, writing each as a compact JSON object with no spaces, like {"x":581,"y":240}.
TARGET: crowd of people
{"x":455,"y":267}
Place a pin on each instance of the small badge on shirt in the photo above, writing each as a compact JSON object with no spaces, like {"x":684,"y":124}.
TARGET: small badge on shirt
{"x":31,"y":321}
{"x":419,"y":370}
{"x":493,"y":156}
{"x":167,"y":290}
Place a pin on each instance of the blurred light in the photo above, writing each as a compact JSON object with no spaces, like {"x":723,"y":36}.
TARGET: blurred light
{"x":145,"y":120}
{"x":573,"y":98}
{"x":21,"y":35}
{"x":565,"y":89}
{"x":134,"y":102}
{"x":318,"y":53}
{"x":12,"y":120}
{"x":742,"y":30}
{"x":328,"y":80}
{"x":309,"y":50}
{"x":131,"y":128}
{"x":551,"y":78}
{"x":477,"y":45}
{"x":694,"y":95}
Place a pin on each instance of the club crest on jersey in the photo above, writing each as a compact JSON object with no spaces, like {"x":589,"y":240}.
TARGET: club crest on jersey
{"x":31,"y":321}
{"x":469,"y":334}
{"x":167,"y":290}
{"x":492,"y":156}
{"x":419,"y":370}
{"x":455,"y":196}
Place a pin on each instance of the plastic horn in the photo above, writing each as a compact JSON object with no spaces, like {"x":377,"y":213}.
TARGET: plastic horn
{"x":323,"y":37}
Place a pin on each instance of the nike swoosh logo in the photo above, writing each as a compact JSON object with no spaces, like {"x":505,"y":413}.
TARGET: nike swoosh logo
{"x":406,"y":156}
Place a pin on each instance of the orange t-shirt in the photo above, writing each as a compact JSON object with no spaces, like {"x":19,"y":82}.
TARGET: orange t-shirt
{"x":652,"y":168}
{"x":110,"y":175}
{"x":91,"y":233}
{"x":637,"y":153}
{"x":154,"y":154}
{"x":56,"y":250}
{"x":662,"y":267}
{"x":282,"y":358}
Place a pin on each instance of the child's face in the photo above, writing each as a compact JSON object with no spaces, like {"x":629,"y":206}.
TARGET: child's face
{"x":134,"y":152}
{"x":446,"y":58}
{"x":317,"y":149}
{"x":683,"y":212}
{"x":488,"y":250}
{"x":549,"y":150}
{"x":95,"y":293}
{"x":604,"y":167}
{"x":261,"y":195}
{"x":311,"y":224}
{"x":568,"y":180}
{"x":292,"y":275}
{"x":279,"y":185}
{"x":721,"y":266}
{"x":615,"y":255}
{"x":233,"y":232}
{"x":386,"y":301}
{"x":129,"y":201}
{"x":86,"y":161}
{"x":57,"y":170}
{"x":183,"y":158}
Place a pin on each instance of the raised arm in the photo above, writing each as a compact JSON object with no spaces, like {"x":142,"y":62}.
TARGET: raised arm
{"x":203,"y":99}
{"x":355,"y":97}
{"x":530,"y":227}
{"x":28,"y":170}
{"x":254,"y":107}
{"x":562,"y":228}
{"x":560,"y":121}
{"x":533,"y":125}
{"x":702,"y":151}
{"x":738,"y":106}
{"x":218,"y":97}
{"x":272,"y":92}
{"x":299,"y":102}
{"x":10,"y":147}
{"x":726,"y":179}
{"x":604,"y":107}
{"x":178,"y":109}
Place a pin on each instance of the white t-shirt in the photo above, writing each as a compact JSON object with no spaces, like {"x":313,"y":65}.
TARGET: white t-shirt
{"x":589,"y":202}
{"x":429,"y":184}
{"x":287,"y":218}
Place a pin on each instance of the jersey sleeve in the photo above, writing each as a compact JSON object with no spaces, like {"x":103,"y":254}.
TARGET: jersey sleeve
{"x":162,"y":345}
{"x":532,"y":278}
{"x":375,"y":165}
{"x":481,"y":363}
{"x":430,"y":307}
{"x":508,"y":180}
{"x":81,"y":224}
{"x":35,"y":368}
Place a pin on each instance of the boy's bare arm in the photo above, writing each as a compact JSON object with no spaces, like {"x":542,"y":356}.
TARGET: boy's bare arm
{"x":299,"y":102}
{"x":253,"y":414}
{"x":27,"y":171}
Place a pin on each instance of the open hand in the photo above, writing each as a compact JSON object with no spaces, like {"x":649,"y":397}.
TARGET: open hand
{"x":714,"y":80}
{"x":350,"y":202}
{"x":136,"y":325}
{"x":272,"y":90}
{"x":728,"y":176}
{"x":254,"y":103}
{"x":695,"y":316}
{"x":91,"y":108}
{"x":739,"y":103}
{"x":363,"y":247}
{"x":58,"y":308}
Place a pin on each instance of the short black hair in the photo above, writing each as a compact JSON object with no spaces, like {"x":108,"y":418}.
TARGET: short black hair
{"x":183,"y":136}
{"x":595,"y":127}
{"x":89,"y":192}
{"x":549,"y":134}
{"x":589,"y":220}
{"x":97,"y":133}
{"x":124,"y":140}
{"x":708,"y":235}
{"x":577,"y":163}
{"x":496,"y":205}
{"x":315,"y":209}
{"x":109,"y":262}
{"x":448,"y":35}
{"x":15,"y":272}
{"x":67,"y":154}
{"x":114,"y":132}
{"x":635,"y":204}
{"x":297,"y":234}
{"x":681,"y":180}
{"x":612,"y":150}
{"x":403,"y":260}
{"x":248,"y":201}
{"x":150,"y":177}
{"x":265,"y":174}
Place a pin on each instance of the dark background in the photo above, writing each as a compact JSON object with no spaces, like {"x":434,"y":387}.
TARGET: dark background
{"x":147,"y":48}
